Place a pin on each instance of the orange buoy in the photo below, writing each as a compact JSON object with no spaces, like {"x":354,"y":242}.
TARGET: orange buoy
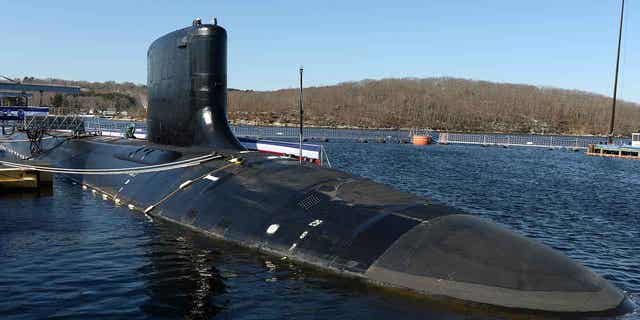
{"x":420,"y":140}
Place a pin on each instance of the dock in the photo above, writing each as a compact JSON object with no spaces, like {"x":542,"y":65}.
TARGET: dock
{"x":615,"y":151}
{"x":19,"y":179}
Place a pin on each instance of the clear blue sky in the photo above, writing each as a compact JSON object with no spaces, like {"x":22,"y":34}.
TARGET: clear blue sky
{"x":568,"y":43}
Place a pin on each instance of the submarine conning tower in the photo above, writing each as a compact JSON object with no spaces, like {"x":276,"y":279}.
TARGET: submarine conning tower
{"x":187,"y":83}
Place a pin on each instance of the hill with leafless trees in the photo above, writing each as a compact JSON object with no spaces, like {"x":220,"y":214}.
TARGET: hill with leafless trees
{"x":436,"y":103}
{"x":440,"y":104}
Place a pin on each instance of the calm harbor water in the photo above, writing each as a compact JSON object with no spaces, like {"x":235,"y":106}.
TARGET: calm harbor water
{"x":73,"y":255}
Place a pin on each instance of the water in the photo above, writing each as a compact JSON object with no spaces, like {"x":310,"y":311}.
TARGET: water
{"x":74,"y":255}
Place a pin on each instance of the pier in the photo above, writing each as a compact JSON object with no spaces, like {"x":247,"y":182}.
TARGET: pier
{"x":102,"y":126}
{"x":106,"y":126}
{"x":522,"y":140}
{"x":605,"y":150}
{"x":21,"y":179}
{"x":629,"y":151}
{"x":382,"y":135}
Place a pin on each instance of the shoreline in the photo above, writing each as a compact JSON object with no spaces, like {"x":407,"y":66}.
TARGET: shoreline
{"x":419,"y":130}
{"x":295,"y":125}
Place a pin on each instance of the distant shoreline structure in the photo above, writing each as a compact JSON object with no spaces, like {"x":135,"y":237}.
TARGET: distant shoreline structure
{"x":345,"y":127}
{"x":402,"y":129}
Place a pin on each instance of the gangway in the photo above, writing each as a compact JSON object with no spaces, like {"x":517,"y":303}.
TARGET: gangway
{"x":35,"y":121}
{"x":73,"y":123}
{"x":36,"y":127}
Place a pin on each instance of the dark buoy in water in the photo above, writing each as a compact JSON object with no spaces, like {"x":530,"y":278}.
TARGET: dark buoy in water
{"x":323,"y":217}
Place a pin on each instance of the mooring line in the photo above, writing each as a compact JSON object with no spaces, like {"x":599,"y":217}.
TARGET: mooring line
{"x":117,"y":171}
{"x":114,"y":169}
{"x":186,"y":184}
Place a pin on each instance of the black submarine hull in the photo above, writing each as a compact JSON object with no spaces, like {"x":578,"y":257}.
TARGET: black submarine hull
{"x":343,"y":224}
{"x":323,"y":217}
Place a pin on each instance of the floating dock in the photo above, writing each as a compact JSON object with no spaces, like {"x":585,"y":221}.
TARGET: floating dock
{"x":616,"y":151}
{"x":20,"y":179}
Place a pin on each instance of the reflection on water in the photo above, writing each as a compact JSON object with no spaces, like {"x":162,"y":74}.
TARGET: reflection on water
{"x":74,"y":255}
{"x":182,"y":278}
{"x":46,"y":191}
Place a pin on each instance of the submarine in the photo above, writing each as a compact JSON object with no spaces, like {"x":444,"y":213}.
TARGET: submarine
{"x":325,"y":218}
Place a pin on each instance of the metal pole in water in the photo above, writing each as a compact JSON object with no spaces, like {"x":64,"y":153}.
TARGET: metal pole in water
{"x":301,"y":112}
{"x":615,"y":83}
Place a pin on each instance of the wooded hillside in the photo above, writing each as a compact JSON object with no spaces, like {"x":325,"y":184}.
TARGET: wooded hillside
{"x":436,"y":103}
{"x":441,"y":104}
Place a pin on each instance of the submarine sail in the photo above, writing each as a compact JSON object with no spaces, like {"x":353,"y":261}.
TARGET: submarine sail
{"x":187,"y":83}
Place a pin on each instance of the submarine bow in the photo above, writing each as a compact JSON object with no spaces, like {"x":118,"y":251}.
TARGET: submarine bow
{"x":323,"y":217}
